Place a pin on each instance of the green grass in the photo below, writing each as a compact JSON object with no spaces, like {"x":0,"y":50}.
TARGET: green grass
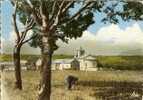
{"x":121,"y":62}
{"x":91,"y":85}
{"x":8,"y":57}
{"x":120,"y":59}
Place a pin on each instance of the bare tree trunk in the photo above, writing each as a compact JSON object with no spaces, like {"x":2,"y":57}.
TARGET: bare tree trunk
{"x":45,"y":84}
{"x":16,"y":58}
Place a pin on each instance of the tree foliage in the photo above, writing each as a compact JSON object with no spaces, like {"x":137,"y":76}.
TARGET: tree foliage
{"x":123,"y":9}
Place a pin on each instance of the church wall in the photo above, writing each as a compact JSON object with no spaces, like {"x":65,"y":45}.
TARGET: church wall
{"x":88,"y":65}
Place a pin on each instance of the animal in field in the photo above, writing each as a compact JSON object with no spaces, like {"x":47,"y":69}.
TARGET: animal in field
{"x":70,"y":81}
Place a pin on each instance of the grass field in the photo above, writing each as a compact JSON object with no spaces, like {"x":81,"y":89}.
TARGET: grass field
{"x":100,"y":85}
{"x":8,"y":57}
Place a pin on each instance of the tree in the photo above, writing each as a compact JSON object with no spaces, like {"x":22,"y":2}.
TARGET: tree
{"x":20,"y":40}
{"x":55,"y":21}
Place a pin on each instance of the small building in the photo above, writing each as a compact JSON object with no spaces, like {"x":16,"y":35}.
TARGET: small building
{"x":62,"y":64}
{"x":10,"y":65}
{"x":65,"y":64}
{"x":88,"y":63}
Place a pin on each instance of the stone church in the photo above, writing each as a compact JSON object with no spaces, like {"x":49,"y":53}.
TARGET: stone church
{"x":86,"y":62}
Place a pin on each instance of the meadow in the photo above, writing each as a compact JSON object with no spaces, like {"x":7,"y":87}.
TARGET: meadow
{"x":121,"y":78}
{"x":99,"y":85}
{"x":9,"y":57}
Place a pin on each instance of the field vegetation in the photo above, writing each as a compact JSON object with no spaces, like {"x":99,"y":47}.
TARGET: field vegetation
{"x":121,"y":62}
{"x":100,"y":85}
{"x":113,"y":82}
{"x":7,"y":57}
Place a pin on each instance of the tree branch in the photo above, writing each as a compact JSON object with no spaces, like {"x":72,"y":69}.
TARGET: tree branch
{"x":53,"y":12}
{"x":81,"y":10}
{"x":32,"y":37}
{"x":88,"y":4}
{"x":53,"y":9}
{"x":68,"y":5}
{"x":30,"y":24}
{"x":15,"y":24}
{"x":44,"y":17}
{"x":58,"y":15}
{"x":30,"y":6}
{"x":29,"y":27}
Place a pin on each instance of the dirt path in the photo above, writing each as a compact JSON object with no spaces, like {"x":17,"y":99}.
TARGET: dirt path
{"x":4,"y":95}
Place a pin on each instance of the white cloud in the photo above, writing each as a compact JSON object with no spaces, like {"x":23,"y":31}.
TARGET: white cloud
{"x":108,"y":40}
{"x":113,"y":33}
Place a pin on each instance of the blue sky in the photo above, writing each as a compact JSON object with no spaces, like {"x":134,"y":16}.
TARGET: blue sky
{"x":6,"y":19}
{"x":7,"y":28}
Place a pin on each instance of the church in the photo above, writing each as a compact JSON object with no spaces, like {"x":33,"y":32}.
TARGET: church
{"x":86,"y":62}
{"x":80,"y":61}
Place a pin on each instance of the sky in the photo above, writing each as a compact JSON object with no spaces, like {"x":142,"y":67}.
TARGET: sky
{"x":125,"y":38}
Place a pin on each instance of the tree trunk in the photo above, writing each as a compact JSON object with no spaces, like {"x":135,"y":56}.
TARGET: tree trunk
{"x":45,"y":84}
{"x":16,"y":58}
